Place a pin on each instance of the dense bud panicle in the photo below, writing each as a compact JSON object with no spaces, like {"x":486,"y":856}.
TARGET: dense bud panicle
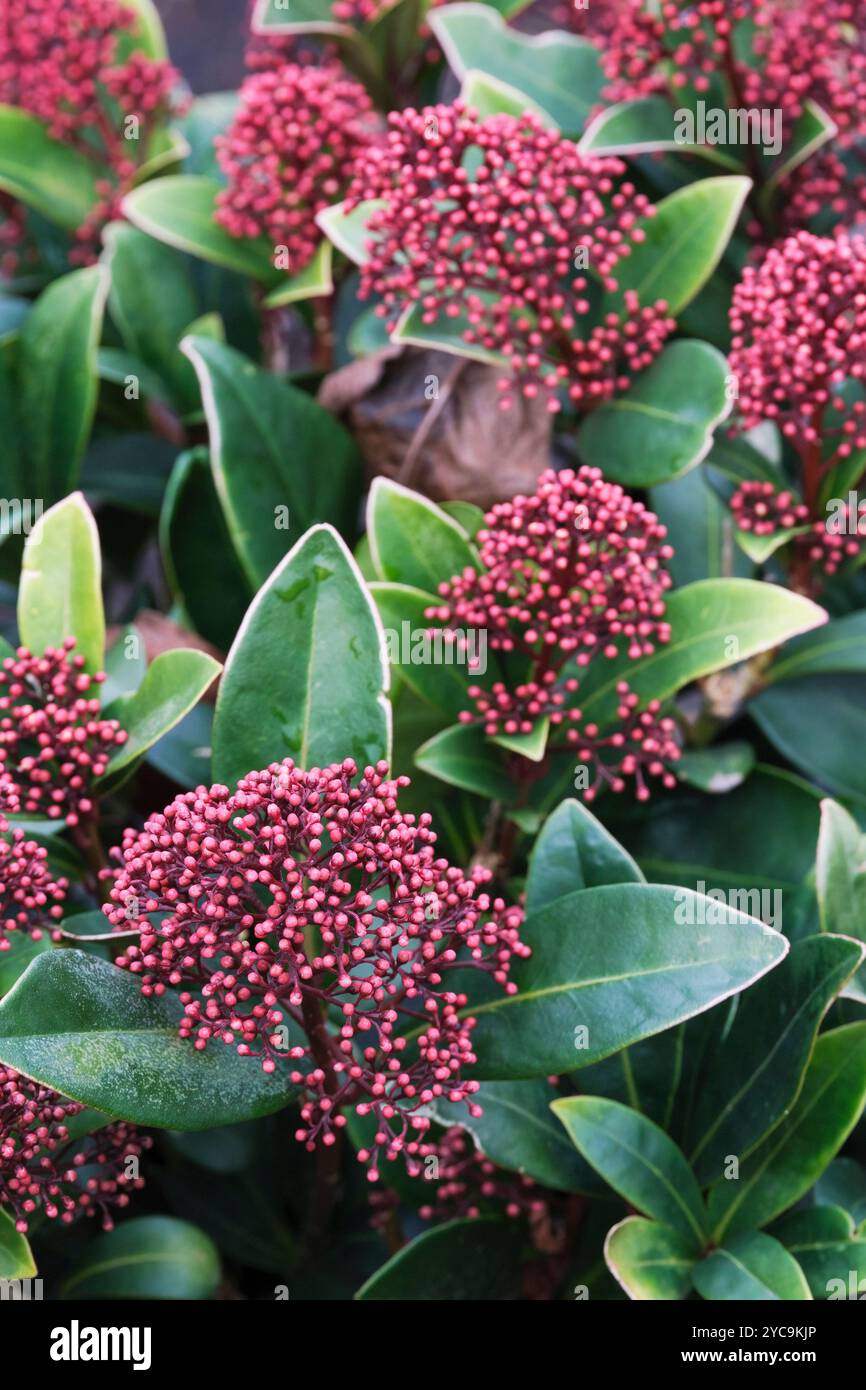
{"x":467,"y":1184}
{"x":817,"y":552}
{"x":798,"y":52}
{"x":61,"y":64}
{"x":43,"y":1170}
{"x":798,"y":321}
{"x":54,"y":743}
{"x":761,"y":508}
{"x":31,"y":898}
{"x":570,"y":573}
{"x":305,"y":895}
{"x":483,"y":221}
{"x":289,"y":153}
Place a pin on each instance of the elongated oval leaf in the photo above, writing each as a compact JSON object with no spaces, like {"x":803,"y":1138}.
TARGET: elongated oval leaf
{"x":685,"y":240}
{"x":714,"y":623}
{"x":55,"y":179}
{"x":60,"y":594}
{"x":57,"y":376}
{"x":560,"y":72}
{"x":434,"y":669}
{"x":572,"y":851}
{"x":650,"y":1261}
{"x":610,"y":966}
{"x":148,"y":1257}
{"x":307,"y":675}
{"x":79,"y":1025}
{"x":781,"y":1169}
{"x":820,"y":749}
{"x":663,"y":425}
{"x":412,"y":541}
{"x":754,"y":1075}
{"x":173,"y":683}
{"x":752,"y":1267}
{"x":280,"y":461}
{"x":463,"y":757}
{"x":638,"y":1160}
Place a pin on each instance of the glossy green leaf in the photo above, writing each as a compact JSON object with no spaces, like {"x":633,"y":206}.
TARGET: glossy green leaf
{"x":685,"y":240}
{"x":843,"y":1184}
{"x":824,"y":1243}
{"x":464,"y":758}
{"x":650,"y":1261}
{"x":754,"y":1074}
{"x":147,"y":1257}
{"x":53,"y":178}
{"x":751,"y":1268}
{"x":202,"y":568}
{"x":83,"y":1027}
{"x":22,"y":950}
{"x":60,"y":594}
{"x":173,"y":683}
{"x":180,"y":212}
{"x":307,"y":674}
{"x":153,"y":302}
{"x":784,"y":1166}
{"x":610,"y":966}
{"x":490,"y":96}
{"x":663,"y":425}
{"x":348,"y":230}
{"x":645,"y":1076}
{"x":559,"y":72}
{"x":57,"y":376}
{"x":412,"y":541}
{"x":638,"y":1160}
{"x":574,"y":850}
{"x":280,"y":461}
{"x":821,"y":749}
{"x":839,"y":645}
{"x":714,"y":623}
{"x":436,"y":670}
{"x":644,"y":126}
{"x":760,"y":548}
{"x":812,"y":130}
{"x":16,"y":1257}
{"x":467,"y":1259}
{"x":840,"y":874}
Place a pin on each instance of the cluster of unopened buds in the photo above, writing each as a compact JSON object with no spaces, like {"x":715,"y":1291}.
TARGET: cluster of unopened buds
{"x":485,"y":226}
{"x":818,"y":550}
{"x":572,"y":572}
{"x":761,"y":55}
{"x":62,"y":64}
{"x":31,"y":897}
{"x":465,"y":1183}
{"x":289,"y":152}
{"x":45,"y":1170}
{"x":54,"y":742}
{"x":305,"y":897}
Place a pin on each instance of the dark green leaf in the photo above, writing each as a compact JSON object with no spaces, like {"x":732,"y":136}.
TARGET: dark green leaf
{"x":473,"y":1259}
{"x":83,"y":1027}
{"x":307,"y":675}
{"x":752,"y":1268}
{"x":60,"y":594}
{"x":147,"y":1257}
{"x":575,"y":851}
{"x":173,"y":683}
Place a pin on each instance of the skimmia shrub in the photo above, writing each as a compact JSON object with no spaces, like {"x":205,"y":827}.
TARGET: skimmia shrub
{"x":432,"y":653}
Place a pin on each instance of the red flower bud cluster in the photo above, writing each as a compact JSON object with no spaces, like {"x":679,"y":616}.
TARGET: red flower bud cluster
{"x":289,"y":153}
{"x":61,"y":64}
{"x":574,"y":571}
{"x":30,"y":896}
{"x":54,"y":744}
{"x":489,"y":224}
{"x":798,"y":321}
{"x":760,"y":508}
{"x":43,"y":1169}
{"x":465,"y":1183}
{"x":312,"y":925}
